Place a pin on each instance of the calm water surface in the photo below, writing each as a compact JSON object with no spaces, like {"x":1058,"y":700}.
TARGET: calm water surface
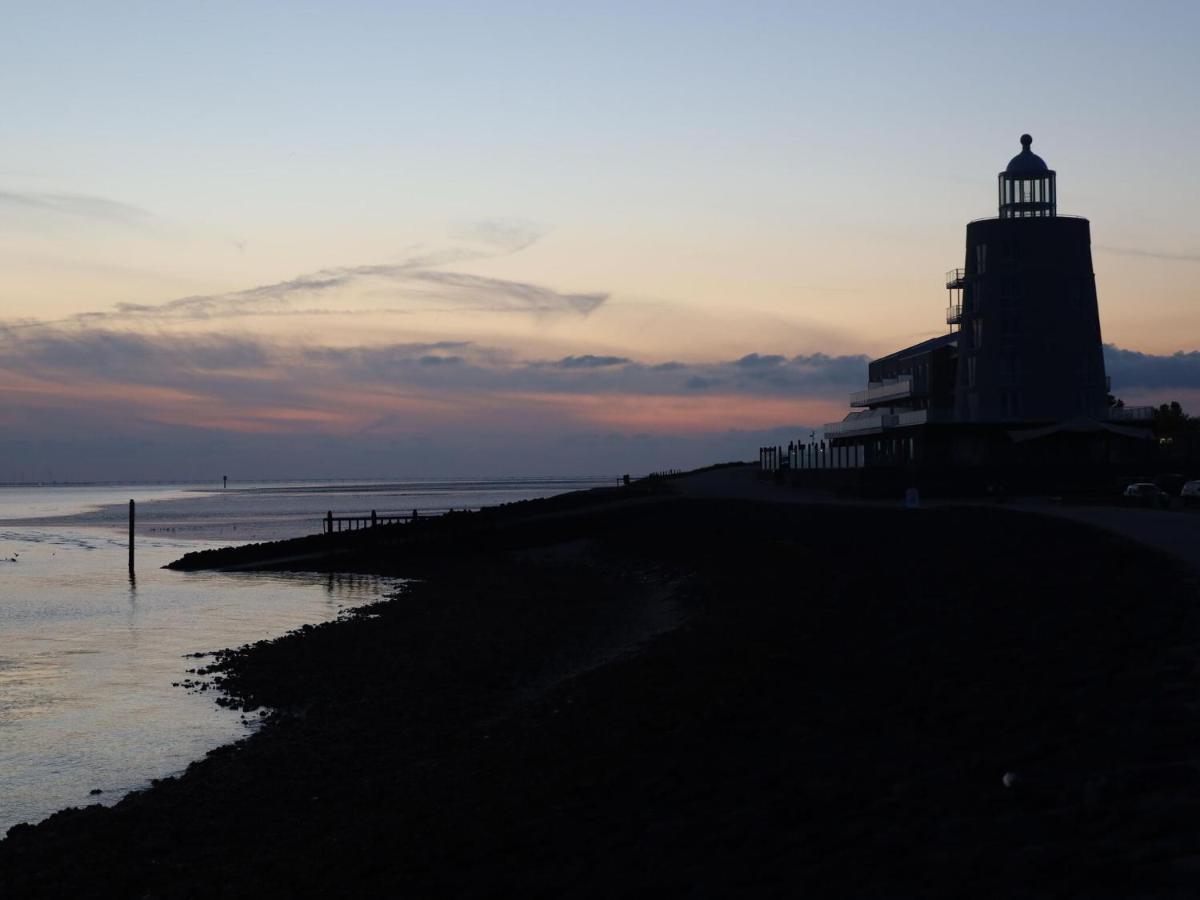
{"x":260,"y":512}
{"x":89,"y":655}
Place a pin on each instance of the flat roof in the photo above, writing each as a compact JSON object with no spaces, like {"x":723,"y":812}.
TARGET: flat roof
{"x":943,"y":340}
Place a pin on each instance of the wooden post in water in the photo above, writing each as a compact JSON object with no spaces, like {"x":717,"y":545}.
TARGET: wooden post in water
{"x":131,"y":518}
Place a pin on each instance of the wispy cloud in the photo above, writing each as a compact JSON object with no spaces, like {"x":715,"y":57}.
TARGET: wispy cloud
{"x":1150,"y":254}
{"x":500,"y":295}
{"x":75,"y":205}
{"x":409,"y":286}
{"x":506,"y":235}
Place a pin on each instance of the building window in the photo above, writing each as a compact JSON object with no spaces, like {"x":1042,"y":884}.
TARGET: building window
{"x":977,"y":332}
{"x":980,"y":258}
{"x":973,"y":297}
{"x":970,"y":371}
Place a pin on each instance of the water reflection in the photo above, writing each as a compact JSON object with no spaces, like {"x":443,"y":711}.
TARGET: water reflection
{"x":92,"y":649}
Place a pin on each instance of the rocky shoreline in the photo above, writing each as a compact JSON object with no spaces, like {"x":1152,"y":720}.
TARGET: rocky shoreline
{"x":638,"y":694}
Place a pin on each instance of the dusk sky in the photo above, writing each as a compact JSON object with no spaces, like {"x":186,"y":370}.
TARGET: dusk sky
{"x":373,"y":239}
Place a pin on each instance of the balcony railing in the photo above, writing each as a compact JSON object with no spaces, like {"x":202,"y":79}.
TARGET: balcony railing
{"x":883,"y":391}
{"x":954,"y":314}
{"x":861,"y":423}
{"x":955,"y":279}
{"x":874,"y":421}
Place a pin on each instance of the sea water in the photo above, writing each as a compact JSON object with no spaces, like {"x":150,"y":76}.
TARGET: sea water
{"x":92,"y":656}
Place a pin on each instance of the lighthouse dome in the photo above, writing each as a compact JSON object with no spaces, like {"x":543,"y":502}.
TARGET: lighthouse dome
{"x":1026,"y":163}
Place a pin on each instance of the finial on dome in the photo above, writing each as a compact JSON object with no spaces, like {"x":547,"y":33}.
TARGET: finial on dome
{"x":1026,"y":140}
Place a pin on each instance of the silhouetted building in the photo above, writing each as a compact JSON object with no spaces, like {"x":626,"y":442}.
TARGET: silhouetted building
{"x":1030,"y":327}
{"x":1023,"y":360}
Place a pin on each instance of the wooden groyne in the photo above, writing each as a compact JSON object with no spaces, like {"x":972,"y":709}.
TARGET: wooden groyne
{"x":332,"y":524}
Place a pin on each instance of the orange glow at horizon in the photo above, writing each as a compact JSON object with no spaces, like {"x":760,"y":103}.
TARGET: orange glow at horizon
{"x":321,"y":408}
{"x":680,"y":414}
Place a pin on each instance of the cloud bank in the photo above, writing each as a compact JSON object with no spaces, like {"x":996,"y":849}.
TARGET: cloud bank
{"x":1131,"y":370}
{"x":91,"y":387}
{"x":183,"y":382}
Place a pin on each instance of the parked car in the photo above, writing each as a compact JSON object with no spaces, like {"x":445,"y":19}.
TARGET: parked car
{"x":1191,"y":493}
{"x":1146,"y":493}
{"x":1172,"y":484}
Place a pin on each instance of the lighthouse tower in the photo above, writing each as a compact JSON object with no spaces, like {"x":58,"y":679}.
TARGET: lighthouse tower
{"x":1029,"y":345}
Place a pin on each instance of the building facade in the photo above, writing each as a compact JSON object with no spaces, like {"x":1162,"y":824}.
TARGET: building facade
{"x":1023,"y":355}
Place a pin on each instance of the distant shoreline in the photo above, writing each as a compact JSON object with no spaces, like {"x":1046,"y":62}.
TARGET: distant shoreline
{"x":315,"y":482}
{"x":259,"y":511}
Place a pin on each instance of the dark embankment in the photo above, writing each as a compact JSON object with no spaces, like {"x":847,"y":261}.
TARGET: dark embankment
{"x":392,"y":549}
{"x":823,"y":702}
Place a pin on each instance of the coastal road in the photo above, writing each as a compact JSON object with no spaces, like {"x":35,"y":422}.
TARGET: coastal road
{"x":1174,"y":532}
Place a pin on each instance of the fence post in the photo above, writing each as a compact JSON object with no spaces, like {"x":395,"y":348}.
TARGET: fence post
{"x":329,"y":522}
{"x":373,"y":518}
